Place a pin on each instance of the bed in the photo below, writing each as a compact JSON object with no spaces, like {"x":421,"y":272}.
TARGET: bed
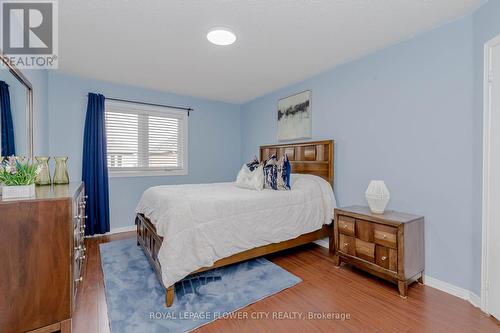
{"x":187,"y":229}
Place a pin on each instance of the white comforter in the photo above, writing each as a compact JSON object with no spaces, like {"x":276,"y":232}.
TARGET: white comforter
{"x":203,"y":223}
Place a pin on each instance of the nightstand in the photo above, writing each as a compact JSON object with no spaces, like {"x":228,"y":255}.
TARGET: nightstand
{"x":389,"y":245}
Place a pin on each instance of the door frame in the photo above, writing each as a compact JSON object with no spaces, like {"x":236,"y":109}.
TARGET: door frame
{"x":486,"y":200}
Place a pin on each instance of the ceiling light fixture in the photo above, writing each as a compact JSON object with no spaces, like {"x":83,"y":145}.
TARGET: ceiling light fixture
{"x":221,"y":36}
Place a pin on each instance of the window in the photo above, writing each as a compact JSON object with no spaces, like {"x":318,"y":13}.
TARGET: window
{"x":145,"y":140}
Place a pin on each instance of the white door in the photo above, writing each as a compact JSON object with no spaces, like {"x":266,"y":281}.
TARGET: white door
{"x":493,"y":229}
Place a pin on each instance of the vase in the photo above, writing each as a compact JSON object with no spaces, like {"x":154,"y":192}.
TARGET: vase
{"x":43,"y":177}
{"x":24,"y":191}
{"x":61,"y":171}
{"x":377,"y":195}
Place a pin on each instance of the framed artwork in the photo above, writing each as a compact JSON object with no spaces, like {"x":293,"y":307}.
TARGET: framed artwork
{"x":294,"y":117}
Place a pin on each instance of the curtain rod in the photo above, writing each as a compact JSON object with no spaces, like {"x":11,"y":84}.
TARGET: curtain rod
{"x":150,"y":104}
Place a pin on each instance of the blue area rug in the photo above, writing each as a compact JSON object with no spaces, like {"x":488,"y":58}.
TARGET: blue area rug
{"x":136,"y":299}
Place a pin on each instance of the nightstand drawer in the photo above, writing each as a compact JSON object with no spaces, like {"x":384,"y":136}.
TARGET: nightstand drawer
{"x":386,"y":258}
{"x":386,"y":236}
{"x":365,"y":250}
{"x":347,"y":245}
{"x":364,"y":230}
{"x":346,"y":225}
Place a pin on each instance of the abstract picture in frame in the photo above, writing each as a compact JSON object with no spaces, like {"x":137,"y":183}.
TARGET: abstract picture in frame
{"x":295,"y":117}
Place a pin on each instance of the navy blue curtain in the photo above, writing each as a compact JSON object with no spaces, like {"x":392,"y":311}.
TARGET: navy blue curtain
{"x":7,"y":126}
{"x":95,"y":167}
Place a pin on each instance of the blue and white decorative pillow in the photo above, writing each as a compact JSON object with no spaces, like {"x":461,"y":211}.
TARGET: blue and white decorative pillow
{"x":284,"y":170}
{"x":253,"y":164}
{"x":251,"y":176}
{"x":271,"y":173}
{"x":277,"y":173}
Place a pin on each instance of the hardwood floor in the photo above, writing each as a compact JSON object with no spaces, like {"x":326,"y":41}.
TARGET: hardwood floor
{"x":373,"y":304}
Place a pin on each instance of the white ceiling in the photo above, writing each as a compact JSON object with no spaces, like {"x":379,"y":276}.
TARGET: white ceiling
{"x":161,"y":44}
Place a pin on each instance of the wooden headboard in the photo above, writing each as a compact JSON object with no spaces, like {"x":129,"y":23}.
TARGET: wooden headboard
{"x":313,"y":157}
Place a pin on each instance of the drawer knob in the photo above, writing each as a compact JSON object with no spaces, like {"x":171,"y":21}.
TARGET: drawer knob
{"x":384,"y":258}
{"x":345,"y":226}
{"x":384,"y":236}
{"x":346,"y":244}
{"x":80,"y":279}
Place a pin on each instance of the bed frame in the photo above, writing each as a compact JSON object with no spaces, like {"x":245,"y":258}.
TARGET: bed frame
{"x":314,"y":157}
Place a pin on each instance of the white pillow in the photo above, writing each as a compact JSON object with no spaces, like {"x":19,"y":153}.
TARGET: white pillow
{"x":253,"y":180}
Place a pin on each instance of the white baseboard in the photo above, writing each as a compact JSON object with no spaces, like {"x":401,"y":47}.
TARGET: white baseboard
{"x":121,"y":229}
{"x":115,"y":231}
{"x":448,"y":288}
{"x":451,"y":289}
{"x":475,"y":300}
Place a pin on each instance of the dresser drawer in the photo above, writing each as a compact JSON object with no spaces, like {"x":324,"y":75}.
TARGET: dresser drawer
{"x":386,"y":257}
{"x":347,"y":244}
{"x":365,"y":250}
{"x":386,"y":236}
{"x":346,"y":225}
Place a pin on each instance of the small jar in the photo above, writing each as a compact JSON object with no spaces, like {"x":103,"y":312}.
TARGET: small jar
{"x":61,"y":171}
{"x":43,"y":178}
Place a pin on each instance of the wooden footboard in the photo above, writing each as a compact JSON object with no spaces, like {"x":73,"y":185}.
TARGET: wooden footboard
{"x":150,"y":242}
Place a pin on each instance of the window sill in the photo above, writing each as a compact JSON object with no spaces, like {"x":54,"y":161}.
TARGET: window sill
{"x":131,"y":174}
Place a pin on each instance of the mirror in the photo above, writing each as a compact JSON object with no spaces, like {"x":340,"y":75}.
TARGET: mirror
{"x":16,"y":112}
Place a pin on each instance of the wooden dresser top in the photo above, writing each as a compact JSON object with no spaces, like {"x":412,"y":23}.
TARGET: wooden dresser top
{"x":50,"y":192}
{"x":389,"y":215}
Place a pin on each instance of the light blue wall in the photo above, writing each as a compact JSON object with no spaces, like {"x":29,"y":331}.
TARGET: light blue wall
{"x":405,"y":115}
{"x":214,"y":138}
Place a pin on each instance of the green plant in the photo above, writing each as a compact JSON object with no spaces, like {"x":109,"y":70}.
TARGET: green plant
{"x":17,"y":172}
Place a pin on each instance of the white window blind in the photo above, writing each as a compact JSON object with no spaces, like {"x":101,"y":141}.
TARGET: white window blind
{"x":145,"y":140}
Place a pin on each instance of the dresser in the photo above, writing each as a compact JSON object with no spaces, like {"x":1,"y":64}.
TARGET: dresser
{"x":389,"y":245}
{"x":42,"y":257}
